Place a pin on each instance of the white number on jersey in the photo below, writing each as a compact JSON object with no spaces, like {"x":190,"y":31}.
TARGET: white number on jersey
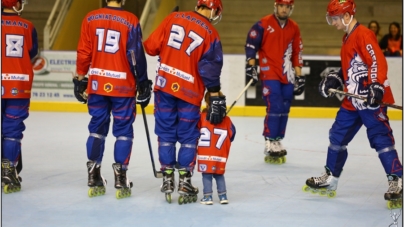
{"x":177,"y":36}
{"x":204,"y":140}
{"x":14,"y":46}
{"x":111,"y":41}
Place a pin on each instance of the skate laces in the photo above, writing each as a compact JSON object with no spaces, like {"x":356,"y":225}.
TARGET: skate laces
{"x":322,"y":179}
{"x":276,"y":146}
{"x":394,"y":185}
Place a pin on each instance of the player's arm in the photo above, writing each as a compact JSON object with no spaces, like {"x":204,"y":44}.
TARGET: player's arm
{"x":33,"y":52}
{"x":84,"y":51}
{"x":253,"y":44}
{"x":233,"y":131}
{"x":154,"y":42}
{"x":135,"y":44}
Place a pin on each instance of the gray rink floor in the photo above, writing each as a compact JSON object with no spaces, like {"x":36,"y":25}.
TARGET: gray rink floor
{"x":54,"y":187}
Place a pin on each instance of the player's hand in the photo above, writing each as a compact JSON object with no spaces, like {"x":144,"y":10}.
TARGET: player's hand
{"x":332,"y":80}
{"x":251,"y":73}
{"x":80,"y":86}
{"x":144,"y":90}
{"x":217,"y":109}
{"x":375,"y":96}
{"x":300,"y":82}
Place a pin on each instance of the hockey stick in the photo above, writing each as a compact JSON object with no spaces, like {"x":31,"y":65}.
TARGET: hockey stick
{"x":362,"y":98}
{"x":241,"y":93}
{"x":176,"y":8}
{"x":157,"y":174}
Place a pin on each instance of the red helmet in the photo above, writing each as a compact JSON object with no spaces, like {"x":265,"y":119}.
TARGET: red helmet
{"x":339,"y":7}
{"x":9,"y":3}
{"x":285,"y":2}
{"x":212,"y":4}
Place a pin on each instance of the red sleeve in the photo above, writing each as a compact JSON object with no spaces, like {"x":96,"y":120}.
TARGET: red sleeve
{"x":153,"y":43}
{"x":297,"y":49}
{"x":84,"y":49}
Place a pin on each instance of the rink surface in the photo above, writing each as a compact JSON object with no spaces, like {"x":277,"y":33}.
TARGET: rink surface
{"x":54,"y":187}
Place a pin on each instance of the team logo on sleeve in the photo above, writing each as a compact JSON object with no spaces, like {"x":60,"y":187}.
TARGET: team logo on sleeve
{"x":175,"y":87}
{"x":161,"y":81}
{"x":253,"y":34}
{"x":108,"y":87}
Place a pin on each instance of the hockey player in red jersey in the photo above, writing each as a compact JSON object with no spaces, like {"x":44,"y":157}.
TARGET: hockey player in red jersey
{"x":277,"y":40}
{"x":19,"y":46}
{"x":110,"y":51}
{"x":213,"y":152}
{"x":190,"y":61}
{"x":363,"y":72}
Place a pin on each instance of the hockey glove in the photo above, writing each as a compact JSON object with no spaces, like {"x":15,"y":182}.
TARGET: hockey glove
{"x":332,"y":80}
{"x":217,"y":109}
{"x":144,"y":89}
{"x":251,"y":73}
{"x":80,"y":86}
{"x":300,"y":82}
{"x":375,"y":96}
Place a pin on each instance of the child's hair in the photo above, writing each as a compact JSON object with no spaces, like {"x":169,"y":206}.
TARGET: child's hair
{"x":207,"y":100}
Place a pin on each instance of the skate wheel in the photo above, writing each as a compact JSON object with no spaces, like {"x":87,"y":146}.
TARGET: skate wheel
{"x":185,"y":199}
{"x":91,"y":192}
{"x":323,"y":192}
{"x":6,"y":189}
{"x":168,"y":197}
{"x":267,"y":159}
{"x":314,"y":191}
{"x":118,"y":194}
{"x":331,"y":194}
{"x":194,"y":198}
{"x":283,"y":159}
{"x":180,"y":200}
{"x":306,"y":188}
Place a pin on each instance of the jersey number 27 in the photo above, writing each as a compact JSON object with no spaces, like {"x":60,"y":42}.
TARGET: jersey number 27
{"x":177,"y":37}
{"x":206,"y":137}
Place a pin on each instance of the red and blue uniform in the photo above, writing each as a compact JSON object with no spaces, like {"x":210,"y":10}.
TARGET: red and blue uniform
{"x":280,"y":50}
{"x":362,"y":63}
{"x":19,"y":45}
{"x":108,"y":36}
{"x":190,"y":61}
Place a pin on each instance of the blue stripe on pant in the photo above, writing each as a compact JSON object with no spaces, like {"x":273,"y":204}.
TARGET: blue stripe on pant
{"x":176,"y":121}
{"x":13,"y":114}
{"x":278,"y":98}
{"x":345,"y":127}
{"x":124,"y":112}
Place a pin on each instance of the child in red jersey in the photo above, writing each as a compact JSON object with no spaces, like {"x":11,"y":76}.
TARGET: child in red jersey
{"x":213,"y":151}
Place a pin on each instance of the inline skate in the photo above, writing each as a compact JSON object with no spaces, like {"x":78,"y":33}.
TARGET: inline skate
{"x":9,"y":179}
{"x":168,"y":183}
{"x":96,"y":181}
{"x":122,"y":183}
{"x":394,"y":194}
{"x":188,"y":193}
{"x":274,"y":152}
{"x":325,"y":185}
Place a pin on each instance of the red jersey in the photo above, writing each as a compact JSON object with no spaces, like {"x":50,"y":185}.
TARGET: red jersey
{"x":214,"y":145}
{"x":108,"y":35}
{"x":19,"y":44}
{"x":279,"y":48}
{"x":191,"y":56}
{"x":363,"y":63}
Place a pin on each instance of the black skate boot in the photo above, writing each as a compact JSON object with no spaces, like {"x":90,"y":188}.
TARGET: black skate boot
{"x":122,"y":183}
{"x":394,"y":194}
{"x":9,"y":177}
{"x":324,"y":185}
{"x":168,"y":183}
{"x":96,"y":182}
{"x":274,"y":152}
{"x":188,"y":193}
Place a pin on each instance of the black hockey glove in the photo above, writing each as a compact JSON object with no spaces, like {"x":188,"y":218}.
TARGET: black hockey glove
{"x":300,"y":82}
{"x":251,"y":73}
{"x":80,"y":86}
{"x":217,"y":109}
{"x":332,"y":80}
{"x":144,"y":89}
{"x":375,"y":96}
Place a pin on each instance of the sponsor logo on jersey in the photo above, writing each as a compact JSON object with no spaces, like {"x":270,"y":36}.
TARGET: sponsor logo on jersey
{"x":94,"y":85}
{"x":176,"y":72}
{"x":12,"y":76}
{"x":373,"y":67}
{"x":189,"y":93}
{"x":202,"y":167}
{"x":253,"y":34}
{"x":266,"y":68}
{"x":124,"y":89}
{"x":213,"y":168}
{"x":108,"y":87}
{"x":14,"y":91}
{"x":211,"y":158}
{"x":175,"y":87}
{"x":107,"y":73}
{"x":161,"y":81}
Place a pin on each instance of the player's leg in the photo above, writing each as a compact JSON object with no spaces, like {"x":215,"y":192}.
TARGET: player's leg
{"x":221,"y":188}
{"x":207,"y":189}
{"x":287,"y":95}
{"x":345,"y":127}
{"x":124,"y":112}
{"x":14,"y":112}
{"x":381,"y":139}
{"x":165,"y":114}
